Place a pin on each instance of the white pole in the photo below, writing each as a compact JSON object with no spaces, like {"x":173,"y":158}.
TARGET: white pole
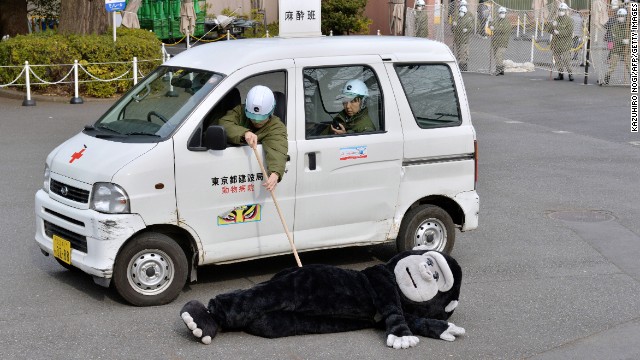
{"x":28,"y":101}
{"x":188,"y":45}
{"x":164,"y":54}
{"x":533,"y":39}
{"x":135,"y":70}
{"x":518,"y":28}
{"x":267,"y":33}
{"x":524,"y":27}
{"x":114,"y":25}
{"x":76,"y":99}
{"x":228,"y":35}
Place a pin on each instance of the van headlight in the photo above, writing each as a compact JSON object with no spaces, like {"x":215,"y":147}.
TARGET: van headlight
{"x":109,"y":198}
{"x":47,"y":177}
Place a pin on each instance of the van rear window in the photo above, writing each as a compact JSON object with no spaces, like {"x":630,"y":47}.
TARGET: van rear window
{"x":430,"y":91}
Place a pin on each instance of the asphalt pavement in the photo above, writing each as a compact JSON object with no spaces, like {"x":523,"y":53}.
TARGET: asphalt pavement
{"x":552,"y":272}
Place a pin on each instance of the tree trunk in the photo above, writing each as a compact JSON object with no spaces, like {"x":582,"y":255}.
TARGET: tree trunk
{"x":13,"y":17}
{"x":83,"y":17}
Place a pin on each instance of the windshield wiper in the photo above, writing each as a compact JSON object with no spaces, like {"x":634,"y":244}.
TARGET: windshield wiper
{"x":142,"y":133}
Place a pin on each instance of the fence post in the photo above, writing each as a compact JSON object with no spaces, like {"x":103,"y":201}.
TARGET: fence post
{"x":76,"y":99}
{"x":524,"y":26}
{"x":518,"y":27}
{"x":135,"y":70}
{"x":533,"y":40}
{"x":28,"y":101}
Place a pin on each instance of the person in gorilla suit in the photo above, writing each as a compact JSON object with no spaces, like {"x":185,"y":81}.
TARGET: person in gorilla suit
{"x":412,"y":294}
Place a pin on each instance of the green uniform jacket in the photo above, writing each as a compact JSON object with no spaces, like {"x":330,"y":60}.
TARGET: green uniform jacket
{"x":359,"y":122}
{"x":465,"y":22}
{"x":501,"y":33}
{"x":619,"y":32}
{"x":562,"y":41}
{"x":422,"y":23}
{"x":272,"y":136}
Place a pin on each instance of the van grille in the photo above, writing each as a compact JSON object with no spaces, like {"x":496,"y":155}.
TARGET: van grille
{"x":77,"y":241}
{"x":69,"y":192}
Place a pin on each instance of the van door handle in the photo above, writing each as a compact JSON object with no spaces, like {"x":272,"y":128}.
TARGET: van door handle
{"x":312,"y":161}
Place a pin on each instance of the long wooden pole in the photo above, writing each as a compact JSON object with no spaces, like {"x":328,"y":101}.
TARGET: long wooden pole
{"x":284,"y":224}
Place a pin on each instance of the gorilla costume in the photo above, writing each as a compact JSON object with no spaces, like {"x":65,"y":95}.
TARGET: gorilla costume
{"x":412,"y":294}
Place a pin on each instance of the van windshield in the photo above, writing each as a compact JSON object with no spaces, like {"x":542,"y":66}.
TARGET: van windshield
{"x":156,"y":106}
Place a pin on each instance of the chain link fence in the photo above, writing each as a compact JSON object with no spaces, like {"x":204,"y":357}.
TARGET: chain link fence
{"x":531,"y":38}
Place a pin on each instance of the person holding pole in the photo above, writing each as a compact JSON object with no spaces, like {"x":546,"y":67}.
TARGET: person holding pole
{"x":501,"y":31}
{"x":254,"y":123}
{"x":620,"y":49}
{"x":562,"y":32}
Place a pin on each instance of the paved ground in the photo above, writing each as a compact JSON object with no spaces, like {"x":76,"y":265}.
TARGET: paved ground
{"x":535,"y":286}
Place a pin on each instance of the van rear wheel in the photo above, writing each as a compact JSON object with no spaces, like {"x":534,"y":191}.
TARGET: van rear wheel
{"x":151,"y":269}
{"x":429,"y":226}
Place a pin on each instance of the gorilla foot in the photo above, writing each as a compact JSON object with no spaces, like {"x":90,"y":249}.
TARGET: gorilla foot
{"x":199,"y":321}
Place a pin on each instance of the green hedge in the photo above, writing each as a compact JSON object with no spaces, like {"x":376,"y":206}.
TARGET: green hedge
{"x":50,"y":48}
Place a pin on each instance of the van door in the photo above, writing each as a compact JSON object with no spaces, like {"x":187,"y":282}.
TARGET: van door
{"x":347,"y":184}
{"x":219,"y":193}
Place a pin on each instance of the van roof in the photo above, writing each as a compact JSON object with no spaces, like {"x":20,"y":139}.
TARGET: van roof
{"x":227,"y":56}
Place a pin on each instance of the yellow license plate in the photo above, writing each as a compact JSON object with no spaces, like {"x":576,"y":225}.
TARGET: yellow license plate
{"x":62,"y":249}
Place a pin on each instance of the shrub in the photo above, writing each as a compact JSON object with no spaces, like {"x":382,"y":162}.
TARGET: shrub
{"x":98,"y":54}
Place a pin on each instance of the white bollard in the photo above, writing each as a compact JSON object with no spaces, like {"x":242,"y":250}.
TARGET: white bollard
{"x":188,"y":44}
{"x":378,"y":33}
{"x":228,"y":35}
{"x":330,"y":32}
{"x":164,"y":54}
{"x":267,"y":35}
{"x":518,"y":27}
{"x":135,"y":70}
{"x":28,"y":101}
{"x":76,"y":99}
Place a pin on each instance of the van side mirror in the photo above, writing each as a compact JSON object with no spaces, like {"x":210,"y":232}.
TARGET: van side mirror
{"x":215,"y":138}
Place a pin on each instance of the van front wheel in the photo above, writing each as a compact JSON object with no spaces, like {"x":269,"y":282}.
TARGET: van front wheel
{"x":429,"y":226}
{"x":151,"y":269}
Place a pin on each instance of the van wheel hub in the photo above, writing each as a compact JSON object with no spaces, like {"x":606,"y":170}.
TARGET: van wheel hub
{"x":431,"y":233}
{"x":150,"y":272}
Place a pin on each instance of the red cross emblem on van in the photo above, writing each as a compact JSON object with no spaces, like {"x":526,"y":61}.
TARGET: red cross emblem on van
{"x":76,"y":155}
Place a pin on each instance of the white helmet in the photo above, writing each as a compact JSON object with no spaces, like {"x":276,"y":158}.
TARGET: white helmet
{"x":563,"y":6}
{"x":462,"y":3}
{"x":420,"y":3}
{"x":622,"y":12}
{"x":502,"y":10}
{"x":353,"y":89}
{"x":463,"y":9}
{"x":260,"y":103}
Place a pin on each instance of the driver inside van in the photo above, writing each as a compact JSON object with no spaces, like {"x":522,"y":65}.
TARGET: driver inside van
{"x":256,"y":123}
{"x":354,"y":118}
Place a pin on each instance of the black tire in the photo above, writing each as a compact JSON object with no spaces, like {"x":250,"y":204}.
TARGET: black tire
{"x":427,"y":225}
{"x":151,"y":269}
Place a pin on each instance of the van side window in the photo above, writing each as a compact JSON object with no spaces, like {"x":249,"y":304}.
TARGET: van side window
{"x":344,"y":100}
{"x":276,"y":81}
{"x":431,"y":93}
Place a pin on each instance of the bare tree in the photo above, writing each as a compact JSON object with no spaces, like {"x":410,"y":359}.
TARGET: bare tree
{"x":83,"y":17}
{"x":13,"y":17}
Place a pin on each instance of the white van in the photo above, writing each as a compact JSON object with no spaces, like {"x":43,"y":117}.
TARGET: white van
{"x":151,"y":190}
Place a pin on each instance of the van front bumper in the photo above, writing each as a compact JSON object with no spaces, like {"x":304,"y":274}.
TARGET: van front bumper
{"x":95,"y":237}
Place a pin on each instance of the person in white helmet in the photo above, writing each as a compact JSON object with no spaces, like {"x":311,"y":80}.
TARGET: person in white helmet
{"x":562,"y":35}
{"x":501,"y":32}
{"x":354,"y":118}
{"x":254,"y":123}
{"x":462,"y":28}
{"x":422,"y":22}
{"x":620,"y":33}
{"x":483,"y":14}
